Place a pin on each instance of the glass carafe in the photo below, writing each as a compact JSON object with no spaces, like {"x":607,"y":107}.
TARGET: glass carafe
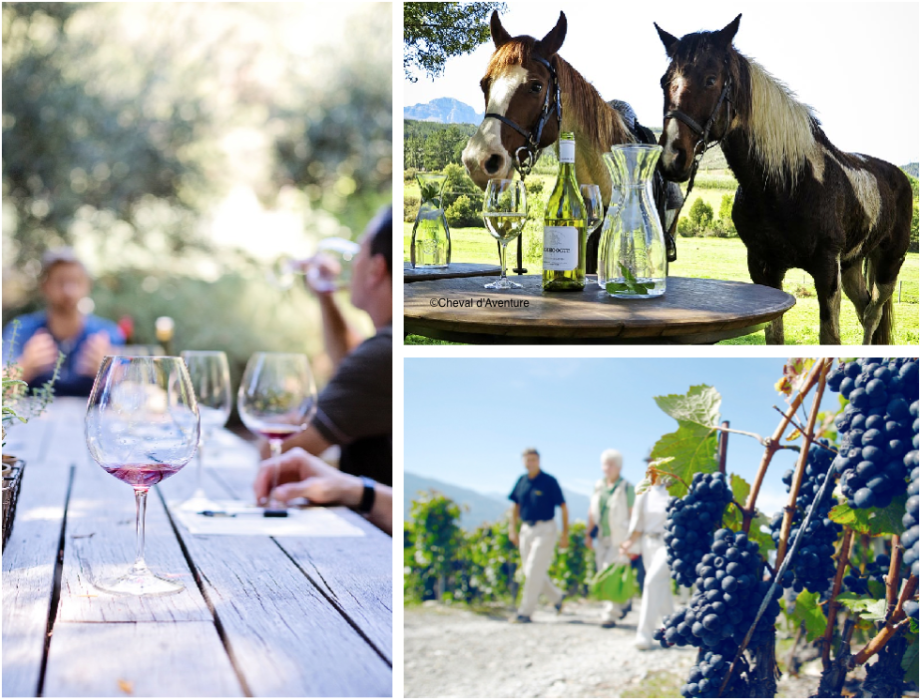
{"x":632,"y":260}
{"x":430,"y":234}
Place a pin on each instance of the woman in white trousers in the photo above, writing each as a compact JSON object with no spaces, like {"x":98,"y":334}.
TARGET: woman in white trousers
{"x":647,"y":528}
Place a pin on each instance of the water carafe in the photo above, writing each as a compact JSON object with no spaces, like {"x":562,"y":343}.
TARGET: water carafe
{"x":430,"y":235}
{"x":632,"y":259}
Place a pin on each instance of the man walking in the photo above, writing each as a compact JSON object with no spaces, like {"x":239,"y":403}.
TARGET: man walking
{"x":535,"y":498}
{"x":608,"y":523}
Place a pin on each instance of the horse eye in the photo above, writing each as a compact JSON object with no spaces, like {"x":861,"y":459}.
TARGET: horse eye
{"x":536,"y":87}
{"x":710,"y":81}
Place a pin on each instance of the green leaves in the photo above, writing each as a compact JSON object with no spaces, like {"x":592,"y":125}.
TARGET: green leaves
{"x":874,"y":522}
{"x":867,"y":608}
{"x":808,"y":610}
{"x":631,"y":285}
{"x":909,"y":660}
{"x":692,"y":447}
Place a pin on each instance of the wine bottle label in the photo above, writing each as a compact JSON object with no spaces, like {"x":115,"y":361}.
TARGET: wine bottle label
{"x":566,"y":151}
{"x":560,"y":247}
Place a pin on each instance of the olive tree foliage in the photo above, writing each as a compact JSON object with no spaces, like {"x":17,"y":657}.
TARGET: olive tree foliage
{"x":436,"y":31}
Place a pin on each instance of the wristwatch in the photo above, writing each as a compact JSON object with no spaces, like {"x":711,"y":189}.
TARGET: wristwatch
{"x":367,"y":498}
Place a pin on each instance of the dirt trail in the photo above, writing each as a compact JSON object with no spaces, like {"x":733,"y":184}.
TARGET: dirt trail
{"x":454,"y":652}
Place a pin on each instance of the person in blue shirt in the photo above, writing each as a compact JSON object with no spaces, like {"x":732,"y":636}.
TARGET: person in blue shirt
{"x":61,"y":327}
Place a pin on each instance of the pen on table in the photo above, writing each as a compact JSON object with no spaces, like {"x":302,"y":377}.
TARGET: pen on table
{"x":265,"y":513}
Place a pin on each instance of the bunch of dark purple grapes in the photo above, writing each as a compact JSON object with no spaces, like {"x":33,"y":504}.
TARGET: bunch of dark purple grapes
{"x":876,"y":428}
{"x":910,"y":536}
{"x":708,"y":674}
{"x":877,"y":570}
{"x":729,"y":591}
{"x":691,"y":522}
{"x":813,"y":565}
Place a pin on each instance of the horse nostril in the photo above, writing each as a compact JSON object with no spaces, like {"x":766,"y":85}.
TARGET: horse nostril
{"x":493,"y":163}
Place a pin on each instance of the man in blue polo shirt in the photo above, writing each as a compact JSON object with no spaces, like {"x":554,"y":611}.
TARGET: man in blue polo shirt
{"x":62,"y":327}
{"x":535,"y":498}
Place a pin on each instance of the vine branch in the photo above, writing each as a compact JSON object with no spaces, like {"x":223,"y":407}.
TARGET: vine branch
{"x":895,"y":624}
{"x":894,"y":575}
{"x":834,"y":606}
{"x":773,"y":443}
{"x":807,"y":437}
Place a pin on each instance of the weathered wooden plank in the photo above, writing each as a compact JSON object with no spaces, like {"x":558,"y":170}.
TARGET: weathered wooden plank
{"x":100,"y":543}
{"x":692,"y":310}
{"x":162,"y":659}
{"x":454,"y":270}
{"x":31,"y":554}
{"x":355,"y":572}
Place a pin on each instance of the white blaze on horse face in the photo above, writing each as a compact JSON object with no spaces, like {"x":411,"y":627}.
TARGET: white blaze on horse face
{"x":487,"y":141}
{"x":671,"y":131}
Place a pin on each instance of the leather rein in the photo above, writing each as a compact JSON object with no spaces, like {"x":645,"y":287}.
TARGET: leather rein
{"x":525,"y":157}
{"x":703,"y":144}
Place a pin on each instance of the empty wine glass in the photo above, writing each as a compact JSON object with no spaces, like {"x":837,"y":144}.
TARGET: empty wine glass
{"x":142,"y":426}
{"x":210,"y":375}
{"x":504,"y":210}
{"x":328,"y":270}
{"x":277,"y":397}
{"x":594,"y":207}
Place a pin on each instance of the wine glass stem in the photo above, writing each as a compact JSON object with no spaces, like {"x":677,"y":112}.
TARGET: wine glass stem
{"x":200,"y":471}
{"x":503,"y":254}
{"x":275,"y":446}
{"x":140,"y":500}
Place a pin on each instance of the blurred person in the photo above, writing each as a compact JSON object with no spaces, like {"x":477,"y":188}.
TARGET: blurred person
{"x":608,"y":524}
{"x":61,"y":327}
{"x":301,"y":475}
{"x":535,"y":496}
{"x":647,"y":528}
{"x":355,"y":409}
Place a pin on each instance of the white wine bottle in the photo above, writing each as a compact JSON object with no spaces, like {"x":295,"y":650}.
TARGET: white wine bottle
{"x":564,"y":231}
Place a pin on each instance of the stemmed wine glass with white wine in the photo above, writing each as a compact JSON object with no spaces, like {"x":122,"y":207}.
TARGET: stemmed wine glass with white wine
{"x":504,"y":210}
{"x":594,"y":208}
{"x":142,"y":426}
{"x":210,"y":375}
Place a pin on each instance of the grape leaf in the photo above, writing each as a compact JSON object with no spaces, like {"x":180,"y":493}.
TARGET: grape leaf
{"x":699,"y":405}
{"x":874,"y":522}
{"x":808,"y":610}
{"x":740,"y":488}
{"x":909,"y":662}
{"x":872,"y":610}
{"x":876,"y":588}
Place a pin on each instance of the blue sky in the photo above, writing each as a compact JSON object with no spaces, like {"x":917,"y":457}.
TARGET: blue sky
{"x":467,"y":420}
{"x":855,"y":63}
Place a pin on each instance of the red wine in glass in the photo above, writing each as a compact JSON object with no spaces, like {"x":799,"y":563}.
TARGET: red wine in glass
{"x":142,"y":475}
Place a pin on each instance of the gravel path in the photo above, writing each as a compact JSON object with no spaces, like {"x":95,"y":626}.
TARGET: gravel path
{"x":454,"y":652}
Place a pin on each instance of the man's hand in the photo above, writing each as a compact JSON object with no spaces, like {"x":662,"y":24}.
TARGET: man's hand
{"x":625,"y":546}
{"x":97,"y":346}
{"x":564,"y":540}
{"x":589,"y":543}
{"x":301,"y":475}
{"x":38,"y":355}
{"x":514,"y":537}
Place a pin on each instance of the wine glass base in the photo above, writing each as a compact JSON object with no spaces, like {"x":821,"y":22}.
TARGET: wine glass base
{"x":198,"y":503}
{"x":504,"y":283}
{"x":139,"y":583}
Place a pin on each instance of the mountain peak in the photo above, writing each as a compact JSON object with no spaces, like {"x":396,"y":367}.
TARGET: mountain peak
{"x":445,"y":110}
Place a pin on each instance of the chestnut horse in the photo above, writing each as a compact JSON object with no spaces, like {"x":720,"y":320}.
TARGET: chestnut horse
{"x":531,"y":93}
{"x":801,"y":202}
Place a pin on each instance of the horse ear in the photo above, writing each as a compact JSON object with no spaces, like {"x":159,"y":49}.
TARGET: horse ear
{"x":725,"y":35}
{"x":549,"y":45}
{"x":670,"y":42}
{"x":500,"y":35}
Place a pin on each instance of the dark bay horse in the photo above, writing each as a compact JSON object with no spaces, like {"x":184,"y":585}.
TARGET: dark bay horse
{"x":524,"y":113}
{"x":801,"y":202}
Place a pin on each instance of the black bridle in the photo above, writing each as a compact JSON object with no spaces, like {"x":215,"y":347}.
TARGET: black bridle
{"x":525,"y":157}
{"x":703,"y":143}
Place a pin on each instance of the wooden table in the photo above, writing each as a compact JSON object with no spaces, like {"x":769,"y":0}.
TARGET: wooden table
{"x":691,"y":311}
{"x":452,"y":271}
{"x":260,"y":616}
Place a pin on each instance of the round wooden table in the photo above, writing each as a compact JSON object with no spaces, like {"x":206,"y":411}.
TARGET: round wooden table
{"x":691,"y":311}
{"x":452,"y":271}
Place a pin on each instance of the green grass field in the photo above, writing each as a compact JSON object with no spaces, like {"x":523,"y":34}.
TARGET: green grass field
{"x":726,"y":258}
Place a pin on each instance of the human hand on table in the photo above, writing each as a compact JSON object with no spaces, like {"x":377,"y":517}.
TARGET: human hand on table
{"x":301,"y":475}
{"x":39,"y":354}
{"x":97,"y":347}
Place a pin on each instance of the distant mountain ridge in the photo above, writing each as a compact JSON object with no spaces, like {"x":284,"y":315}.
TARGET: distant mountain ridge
{"x":481,"y":508}
{"x":912,"y":169}
{"x":445,"y":110}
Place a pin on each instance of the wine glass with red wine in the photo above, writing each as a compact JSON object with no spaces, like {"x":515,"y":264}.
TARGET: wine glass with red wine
{"x":277,"y":397}
{"x":142,"y":426}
